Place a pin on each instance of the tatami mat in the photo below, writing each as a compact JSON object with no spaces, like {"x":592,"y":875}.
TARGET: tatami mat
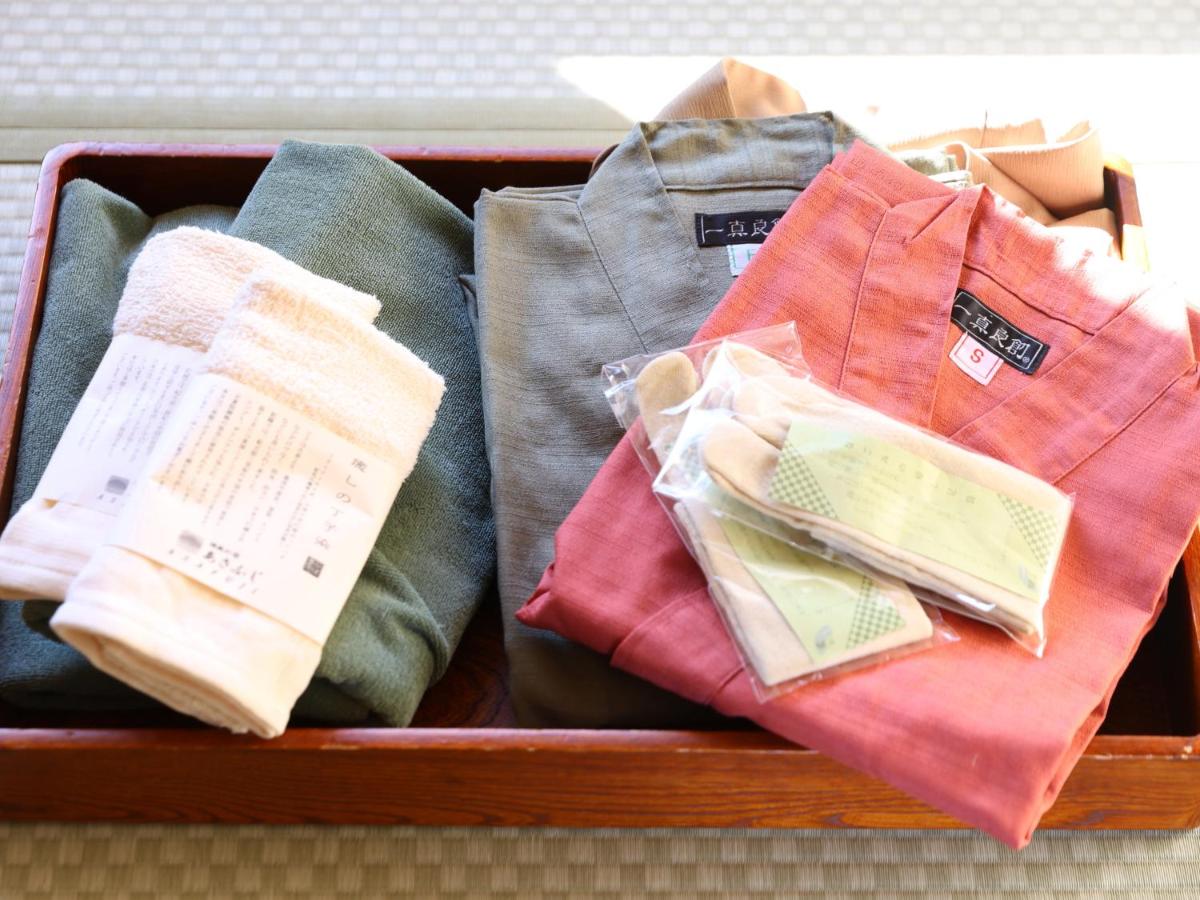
{"x":569,"y":73}
{"x":358,"y":862}
{"x":17,"y":183}
{"x":331,"y":49}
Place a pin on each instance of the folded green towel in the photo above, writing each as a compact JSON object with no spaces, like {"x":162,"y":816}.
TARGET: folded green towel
{"x":349,"y":214}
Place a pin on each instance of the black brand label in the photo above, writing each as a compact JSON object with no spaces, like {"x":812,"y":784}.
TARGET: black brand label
{"x":1018,"y":348}
{"x":723,"y":229}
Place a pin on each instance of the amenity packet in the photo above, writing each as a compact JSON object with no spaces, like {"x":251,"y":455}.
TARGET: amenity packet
{"x":762,"y":443}
{"x":796,"y":613}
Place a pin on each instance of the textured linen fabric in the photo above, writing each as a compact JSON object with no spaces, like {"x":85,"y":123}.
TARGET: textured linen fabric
{"x":867,"y":262}
{"x":569,"y":279}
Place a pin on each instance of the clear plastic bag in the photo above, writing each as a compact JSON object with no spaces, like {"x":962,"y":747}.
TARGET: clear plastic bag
{"x":762,"y":443}
{"x":796,"y":613}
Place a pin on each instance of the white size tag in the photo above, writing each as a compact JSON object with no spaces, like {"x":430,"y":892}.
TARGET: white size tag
{"x":740,"y":256}
{"x":258,"y":502}
{"x":975,"y":359}
{"x":117,"y":422}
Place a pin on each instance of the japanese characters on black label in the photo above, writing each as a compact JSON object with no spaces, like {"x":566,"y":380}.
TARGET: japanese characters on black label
{"x":1018,"y":348}
{"x":723,"y":229}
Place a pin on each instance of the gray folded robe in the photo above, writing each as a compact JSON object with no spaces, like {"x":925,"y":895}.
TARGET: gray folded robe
{"x":571,"y":278}
{"x":349,"y":214}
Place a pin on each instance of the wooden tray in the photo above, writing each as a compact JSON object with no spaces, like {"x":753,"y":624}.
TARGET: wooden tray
{"x":463,"y":762}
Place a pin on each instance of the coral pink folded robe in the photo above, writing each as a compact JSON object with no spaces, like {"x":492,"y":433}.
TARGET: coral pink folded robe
{"x":869,"y":262}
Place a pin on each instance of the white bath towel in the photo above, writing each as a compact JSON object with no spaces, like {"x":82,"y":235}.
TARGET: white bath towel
{"x":195,"y":648}
{"x":179,"y":290}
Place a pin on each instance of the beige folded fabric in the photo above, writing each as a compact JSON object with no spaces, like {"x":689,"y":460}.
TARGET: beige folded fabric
{"x":1059,"y":183}
{"x":729,"y":90}
{"x":1048,"y":179}
{"x":734,"y":90}
{"x":1096,"y":230}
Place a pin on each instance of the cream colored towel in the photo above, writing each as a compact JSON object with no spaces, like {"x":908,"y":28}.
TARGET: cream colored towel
{"x":188,"y":645}
{"x":179,"y":290}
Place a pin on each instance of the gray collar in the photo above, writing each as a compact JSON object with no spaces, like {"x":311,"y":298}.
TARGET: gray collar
{"x":661,"y":287}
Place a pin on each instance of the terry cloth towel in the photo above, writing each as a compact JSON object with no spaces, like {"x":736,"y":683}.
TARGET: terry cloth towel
{"x":179,"y":290}
{"x":195,"y":649}
{"x":868,"y":263}
{"x":96,"y":238}
{"x":349,"y":214}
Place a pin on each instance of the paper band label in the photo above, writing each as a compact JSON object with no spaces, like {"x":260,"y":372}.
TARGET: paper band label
{"x":117,"y":422}
{"x":254,"y":500}
{"x":903,"y":499}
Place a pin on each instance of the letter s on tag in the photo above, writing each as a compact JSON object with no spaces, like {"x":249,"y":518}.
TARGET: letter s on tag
{"x":976,"y":360}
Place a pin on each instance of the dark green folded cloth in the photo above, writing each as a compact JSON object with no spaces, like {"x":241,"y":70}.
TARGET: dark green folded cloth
{"x":348,"y":214}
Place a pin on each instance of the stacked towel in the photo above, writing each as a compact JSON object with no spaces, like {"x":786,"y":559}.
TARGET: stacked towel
{"x":198,"y":650}
{"x":349,"y":214}
{"x":178,"y":293}
{"x":97,"y":236}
